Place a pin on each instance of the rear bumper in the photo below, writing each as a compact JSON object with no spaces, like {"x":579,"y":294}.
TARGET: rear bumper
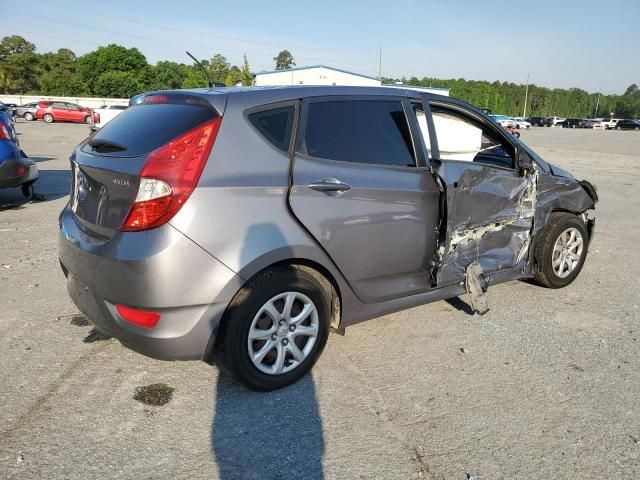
{"x":9,"y":167}
{"x":159,"y":270}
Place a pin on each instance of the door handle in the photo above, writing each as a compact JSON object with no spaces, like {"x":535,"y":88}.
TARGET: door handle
{"x":330,"y":185}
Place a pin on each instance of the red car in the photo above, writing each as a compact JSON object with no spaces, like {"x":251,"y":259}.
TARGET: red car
{"x":63,"y":112}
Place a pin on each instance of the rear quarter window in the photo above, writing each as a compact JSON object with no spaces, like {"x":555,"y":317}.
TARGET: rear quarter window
{"x":275,"y":125}
{"x":143,"y":128}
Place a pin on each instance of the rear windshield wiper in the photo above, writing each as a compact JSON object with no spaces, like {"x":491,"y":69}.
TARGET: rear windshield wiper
{"x":105,"y":146}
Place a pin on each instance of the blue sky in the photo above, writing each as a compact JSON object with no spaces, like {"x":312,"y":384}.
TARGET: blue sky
{"x":586,"y":44}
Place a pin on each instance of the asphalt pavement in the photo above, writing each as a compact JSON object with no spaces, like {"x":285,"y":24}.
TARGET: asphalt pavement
{"x":546,"y":385}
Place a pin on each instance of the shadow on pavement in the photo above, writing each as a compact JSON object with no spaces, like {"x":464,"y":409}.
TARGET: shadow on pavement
{"x":267,"y":436}
{"x":51,"y":185}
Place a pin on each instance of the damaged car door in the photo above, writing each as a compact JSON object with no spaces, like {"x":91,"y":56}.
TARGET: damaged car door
{"x":490,"y":195}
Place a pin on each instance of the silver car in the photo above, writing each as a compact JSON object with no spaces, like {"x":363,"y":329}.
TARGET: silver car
{"x":242,"y":225}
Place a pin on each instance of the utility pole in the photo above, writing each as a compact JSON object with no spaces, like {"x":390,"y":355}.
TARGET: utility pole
{"x":595,"y":113}
{"x":380,"y":66}
{"x":526,"y":97}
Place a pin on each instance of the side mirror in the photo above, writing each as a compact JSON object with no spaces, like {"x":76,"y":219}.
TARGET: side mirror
{"x":525,"y":164}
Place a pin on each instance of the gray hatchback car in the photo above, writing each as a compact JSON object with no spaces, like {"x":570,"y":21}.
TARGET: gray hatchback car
{"x":242,"y":225}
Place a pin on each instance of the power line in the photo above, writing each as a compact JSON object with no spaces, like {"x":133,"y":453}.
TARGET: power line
{"x":155,"y":39}
{"x":164,"y":27}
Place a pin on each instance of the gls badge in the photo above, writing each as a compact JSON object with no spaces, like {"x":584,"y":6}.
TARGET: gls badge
{"x":122,"y":182}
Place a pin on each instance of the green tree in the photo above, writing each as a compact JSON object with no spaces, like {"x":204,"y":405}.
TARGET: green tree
{"x":233,"y":77}
{"x":195,"y":78}
{"x":19,"y":62}
{"x":247,"y":77}
{"x":117,"y":84}
{"x":164,"y":75}
{"x":58,"y":74}
{"x":284,"y":60}
{"x":5,"y":81}
{"x":219,"y":68}
{"x":112,"y":58}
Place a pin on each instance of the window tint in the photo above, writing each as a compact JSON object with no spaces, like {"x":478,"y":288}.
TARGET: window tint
{"x":361,"y":131}
{"x":143,"y":128}
{"x":59,"y":105}
{"x":462,"y":139}
{"x":275,"y":125}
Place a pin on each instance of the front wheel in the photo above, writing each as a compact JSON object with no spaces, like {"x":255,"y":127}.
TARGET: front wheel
{"x":275,"y":329}
{"x":618,"y":128}
{"x":47,"y":117}
{"x":561,"y":250}
{"x":28,"y":116}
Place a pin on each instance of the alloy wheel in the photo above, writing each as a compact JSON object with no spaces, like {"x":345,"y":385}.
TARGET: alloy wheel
{"x":283,"y":333}
{"x":567,"y":252}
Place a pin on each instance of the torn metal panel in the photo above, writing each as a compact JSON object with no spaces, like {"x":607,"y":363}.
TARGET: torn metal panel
{"x":489,"y":221}
{"x":476,"y":286}
{"x":561,"y":193}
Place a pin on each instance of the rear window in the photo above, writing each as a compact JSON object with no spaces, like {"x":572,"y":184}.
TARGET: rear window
{"x":359,"y":131}
{"x":275,"y":125}
{"x":143,"y":128}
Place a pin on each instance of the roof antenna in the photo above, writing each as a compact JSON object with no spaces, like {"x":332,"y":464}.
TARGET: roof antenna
{"x":204,"y":70}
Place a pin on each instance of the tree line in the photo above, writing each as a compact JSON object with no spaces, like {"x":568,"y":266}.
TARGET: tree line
{"x":117,"y":71}
{"x":508,"y":98}
{"x":110,"y":71}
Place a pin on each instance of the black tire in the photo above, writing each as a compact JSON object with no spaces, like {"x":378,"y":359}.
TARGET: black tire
{"x":637,"y":128}
{"x":28,"y":116}
{"x":618,"y":128}
{"x":232,"y":351}
{"x":27,"y":190}
{"x":557,"y":224}
{"x":87,"y":119}
{"x":47,"y":117}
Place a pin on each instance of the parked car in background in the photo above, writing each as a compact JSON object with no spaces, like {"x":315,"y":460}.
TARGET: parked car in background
{"x":63,"y":112}
{"x":571,"y":123}
{"x":522,"y":123}
{"x":612,"y":123}
{"x":628,"y":125}
{"x":504,"y":120}
{"x":536,"y":121}
{"x":104,"y":114}
{"x":553,"y":121}
{"x":207,"y":224}
{"x":27,"y":111}
{"x":9,"y":108}
{"x":16,"y":169}
{"x":590,"y":123}
{"x":599,"y":125}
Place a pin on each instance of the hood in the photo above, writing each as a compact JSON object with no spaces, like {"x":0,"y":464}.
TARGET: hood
{"x":559,"y":172}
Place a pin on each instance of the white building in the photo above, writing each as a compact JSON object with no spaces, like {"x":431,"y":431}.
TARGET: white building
{"x":314,"y":75}
{"x":323,"y":75}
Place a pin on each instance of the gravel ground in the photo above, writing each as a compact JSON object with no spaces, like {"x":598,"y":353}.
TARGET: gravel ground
{"x":546,"y":385}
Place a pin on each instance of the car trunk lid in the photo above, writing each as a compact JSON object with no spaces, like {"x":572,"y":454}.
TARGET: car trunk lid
{"x":107,"y":167}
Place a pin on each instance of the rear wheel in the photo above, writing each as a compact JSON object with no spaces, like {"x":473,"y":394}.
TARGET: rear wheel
{"x":87,"y":119}
{"x":47,"y":117}
{"x":28,"y":116}
{"x":561,"y":250}
{"x":275,"y":329}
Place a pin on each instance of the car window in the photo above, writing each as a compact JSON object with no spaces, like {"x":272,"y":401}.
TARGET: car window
{"x":59,"y":105}
{"x":275,"y":125}
{"x":360,"y":131}
{"x":461,"y":138}
{"x":72,"y":106}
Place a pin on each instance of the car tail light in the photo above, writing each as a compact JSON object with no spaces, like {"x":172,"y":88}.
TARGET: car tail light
{"x":4,"y":133}
{"x":96,"y":117}
{"x":21,"y":170}
{"x":140,"y":318}
{"x":169,"y":176}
